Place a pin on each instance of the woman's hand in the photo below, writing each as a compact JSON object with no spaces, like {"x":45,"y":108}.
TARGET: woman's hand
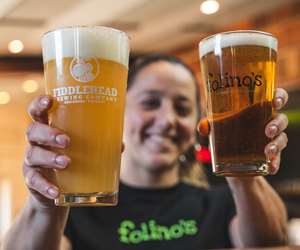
{"x":40,"y":158}
{"x":273,"y":130}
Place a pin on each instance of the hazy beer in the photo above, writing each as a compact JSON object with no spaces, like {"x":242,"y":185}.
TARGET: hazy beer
{"x":86,"y":73}
{"x":238,"y":72}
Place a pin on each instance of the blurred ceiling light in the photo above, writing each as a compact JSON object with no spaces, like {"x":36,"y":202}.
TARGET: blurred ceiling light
{"x":15,"y":46}
{"x":30,"y":86}
{"x":209,"y":7}
{"x":4,"y":97}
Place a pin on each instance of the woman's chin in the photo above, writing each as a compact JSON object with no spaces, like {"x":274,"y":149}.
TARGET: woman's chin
{"x":162,"y":162}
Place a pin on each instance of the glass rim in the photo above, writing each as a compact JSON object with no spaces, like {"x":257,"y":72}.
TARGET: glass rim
{"x":238,"y":32}
{"x":87,"y":27}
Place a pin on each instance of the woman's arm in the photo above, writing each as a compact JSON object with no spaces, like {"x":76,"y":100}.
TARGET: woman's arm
{"x":40,"y":224}
{"x":36,"y":229}
{"x":261,"y":218}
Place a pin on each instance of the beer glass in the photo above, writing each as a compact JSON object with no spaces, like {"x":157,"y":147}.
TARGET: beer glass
{"x":238,"y":73}
{"x":85,"y":71}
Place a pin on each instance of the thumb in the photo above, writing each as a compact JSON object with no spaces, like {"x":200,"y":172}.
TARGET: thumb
{"x":203,"y":127}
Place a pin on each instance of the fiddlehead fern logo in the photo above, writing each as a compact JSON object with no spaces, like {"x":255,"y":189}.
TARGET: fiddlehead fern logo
{"x":84,"y":69}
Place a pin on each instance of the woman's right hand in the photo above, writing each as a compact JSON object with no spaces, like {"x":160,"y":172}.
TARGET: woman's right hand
{"x":40,"y":157}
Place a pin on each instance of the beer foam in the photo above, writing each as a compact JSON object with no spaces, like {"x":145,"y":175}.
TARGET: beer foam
{"x":86,"y":42}
{"x":236,"y":38}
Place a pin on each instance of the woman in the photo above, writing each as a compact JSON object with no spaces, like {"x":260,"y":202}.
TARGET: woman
{"x":156,"y":209}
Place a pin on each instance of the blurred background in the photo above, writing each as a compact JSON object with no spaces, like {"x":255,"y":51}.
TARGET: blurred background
{"x":169,"y":26}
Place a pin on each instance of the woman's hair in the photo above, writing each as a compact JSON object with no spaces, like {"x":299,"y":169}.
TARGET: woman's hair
{"x":190,"y":171}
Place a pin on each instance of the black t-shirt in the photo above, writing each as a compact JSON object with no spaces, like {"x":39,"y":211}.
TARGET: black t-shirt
{"x":180,"y":217}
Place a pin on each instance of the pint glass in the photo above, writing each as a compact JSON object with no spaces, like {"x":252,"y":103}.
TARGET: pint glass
{"x":238,"y":72}
{"x":85,"y":70}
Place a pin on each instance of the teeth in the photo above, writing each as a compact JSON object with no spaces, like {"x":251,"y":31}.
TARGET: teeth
{"x":159,"y":138}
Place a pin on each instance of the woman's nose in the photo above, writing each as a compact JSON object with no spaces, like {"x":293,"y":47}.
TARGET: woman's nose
{"x":166,"y":117}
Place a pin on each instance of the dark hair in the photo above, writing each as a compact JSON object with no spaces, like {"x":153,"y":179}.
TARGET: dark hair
{"x":138,"y":63}
{"x":190,"y":170}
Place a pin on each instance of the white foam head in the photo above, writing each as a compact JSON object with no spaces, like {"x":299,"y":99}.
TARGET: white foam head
{"x":86,"y":42}
{"x":236,"y":38}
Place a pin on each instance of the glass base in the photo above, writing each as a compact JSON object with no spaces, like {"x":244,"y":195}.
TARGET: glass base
{"x":242,"y":169}
{"x":87,"y":199}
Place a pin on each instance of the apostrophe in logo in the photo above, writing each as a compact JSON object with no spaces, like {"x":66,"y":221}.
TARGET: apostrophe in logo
{"x":84,"y":69}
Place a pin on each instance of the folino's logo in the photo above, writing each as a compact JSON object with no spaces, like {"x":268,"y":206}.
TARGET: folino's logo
{"x":132,"y":233}
{"x":84,"y":69}
{"x":217,"y":81}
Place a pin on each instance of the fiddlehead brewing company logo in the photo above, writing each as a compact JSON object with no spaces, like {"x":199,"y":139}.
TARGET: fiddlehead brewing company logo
{"x":84,"y":70}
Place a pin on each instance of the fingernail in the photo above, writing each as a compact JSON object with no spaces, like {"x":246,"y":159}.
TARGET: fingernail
{"x":53,"y":192}
{"x":62,"y":140}
{"x":279,"y":102}
{"x":45,"y":101}
{"x":62,"y":160}
{"x":273,"y":130}
{"x":273,"y":149}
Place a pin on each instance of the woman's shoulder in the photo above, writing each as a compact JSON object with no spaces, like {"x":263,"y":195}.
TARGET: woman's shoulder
{"x":220,"y":194}
{"x":209,"y":190}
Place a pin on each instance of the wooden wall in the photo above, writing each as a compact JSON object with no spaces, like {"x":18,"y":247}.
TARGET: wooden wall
{"x":283,"y":23}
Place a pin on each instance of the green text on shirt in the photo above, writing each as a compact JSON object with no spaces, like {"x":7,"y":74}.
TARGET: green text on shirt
{"x":151,"y":230}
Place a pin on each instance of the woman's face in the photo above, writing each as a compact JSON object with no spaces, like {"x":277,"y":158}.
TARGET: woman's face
{"x":161,"y":115}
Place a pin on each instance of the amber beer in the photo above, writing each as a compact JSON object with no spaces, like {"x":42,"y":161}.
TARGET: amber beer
{"x":238,"y":72}
{"x":86,"y":73}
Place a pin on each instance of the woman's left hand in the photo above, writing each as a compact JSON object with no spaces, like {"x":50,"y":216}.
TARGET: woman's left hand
{"x":274,"y":130}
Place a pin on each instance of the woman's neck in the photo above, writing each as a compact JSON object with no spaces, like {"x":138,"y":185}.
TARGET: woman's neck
{"x":145,"y":176}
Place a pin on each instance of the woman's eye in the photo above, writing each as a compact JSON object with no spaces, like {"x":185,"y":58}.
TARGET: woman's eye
{"x":151,"y":103}
{"x":183,"y":110}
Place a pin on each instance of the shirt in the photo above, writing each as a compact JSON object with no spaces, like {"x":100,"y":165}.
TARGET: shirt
{"x":178,"y":217}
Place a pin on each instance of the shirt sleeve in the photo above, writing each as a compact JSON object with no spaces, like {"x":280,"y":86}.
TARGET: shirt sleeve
{"x":223,"y":207}
{"x":69,"y":228}
{"x":229,"y":204}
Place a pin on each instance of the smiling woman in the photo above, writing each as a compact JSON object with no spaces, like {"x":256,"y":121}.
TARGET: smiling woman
{"x":157,"y":208}
{"x":155,"y":103}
